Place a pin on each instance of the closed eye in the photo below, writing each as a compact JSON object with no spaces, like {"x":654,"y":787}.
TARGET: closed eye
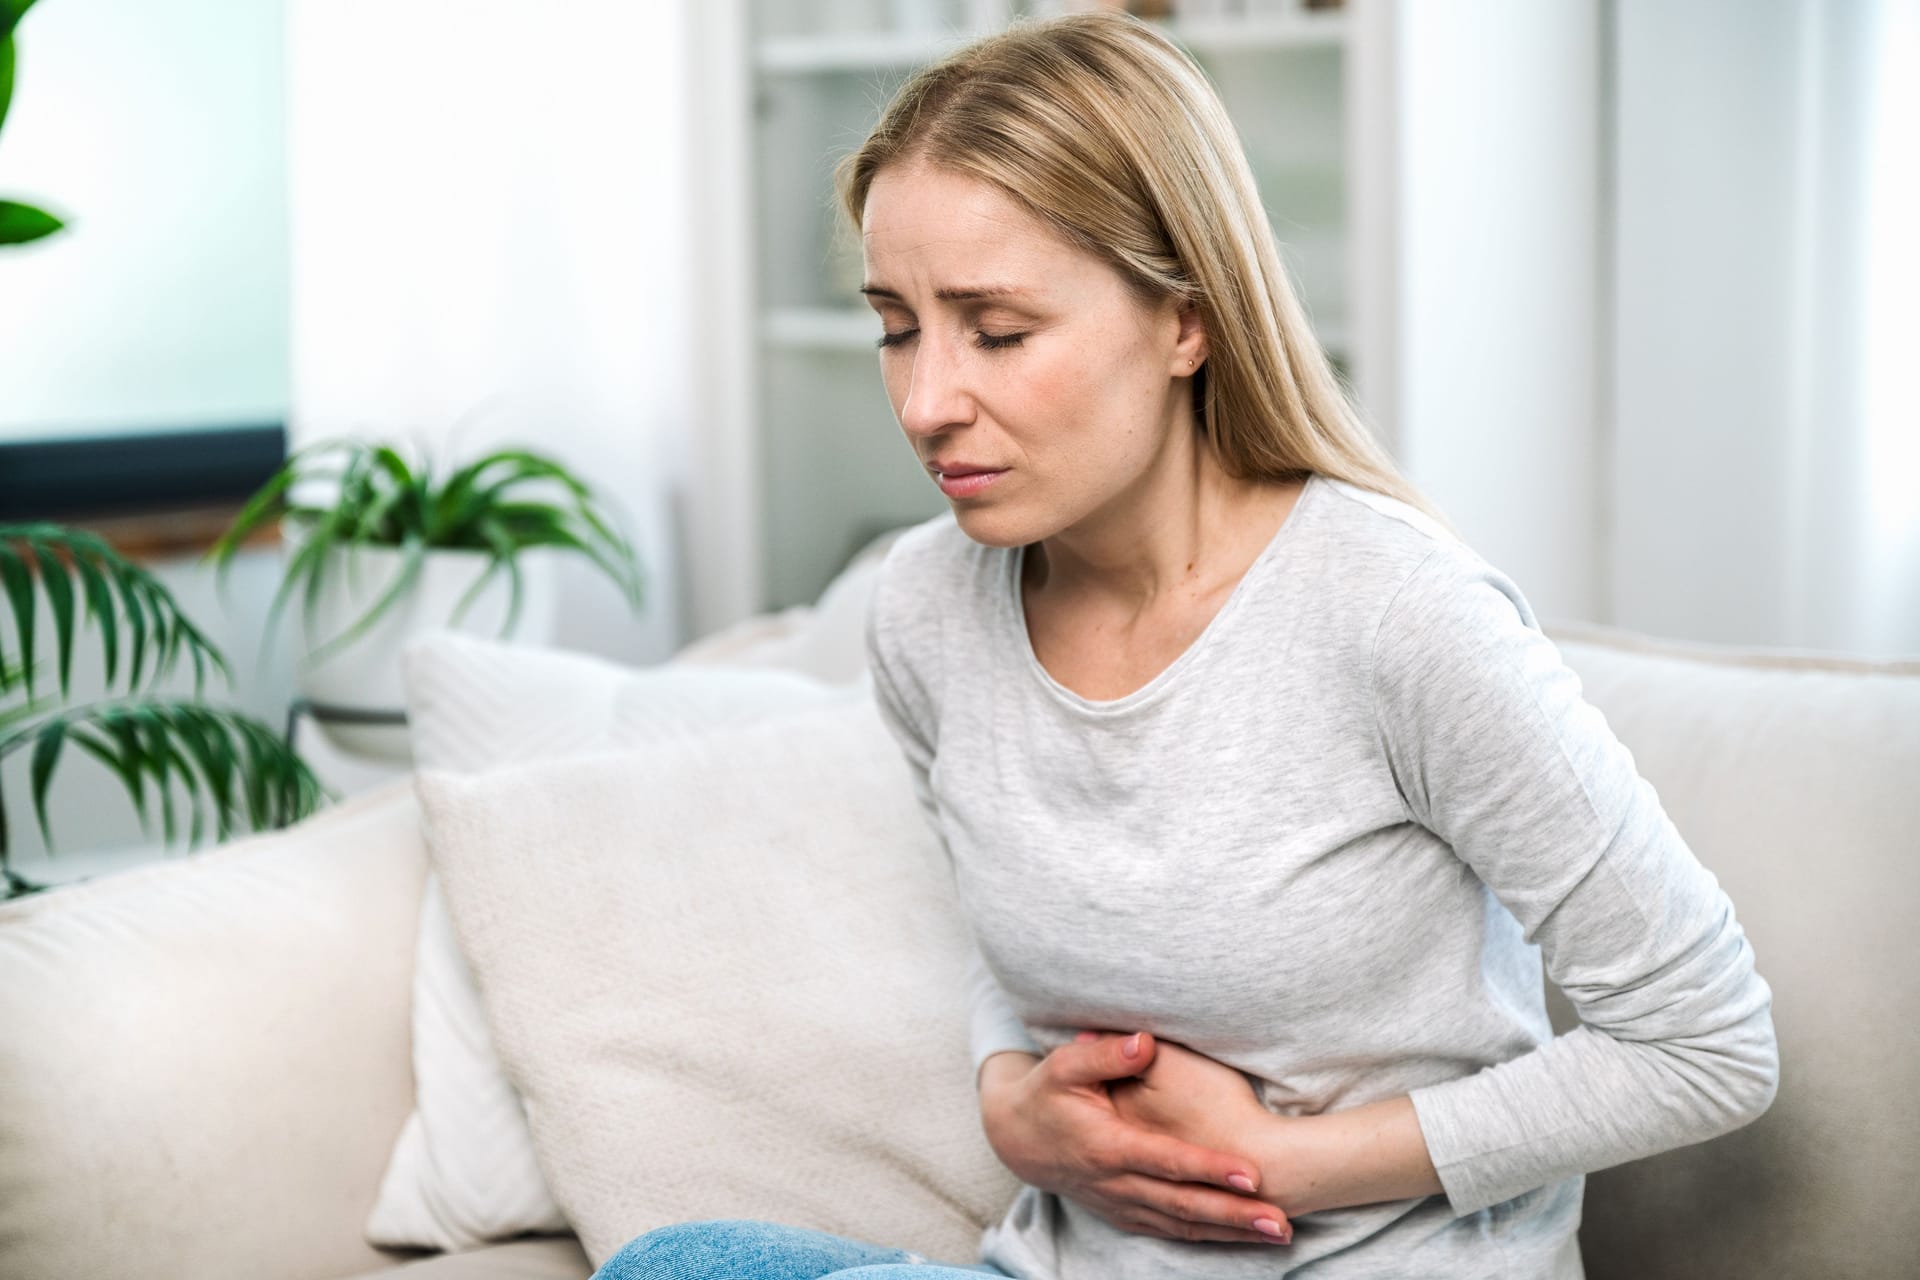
{"x":985,"y":341}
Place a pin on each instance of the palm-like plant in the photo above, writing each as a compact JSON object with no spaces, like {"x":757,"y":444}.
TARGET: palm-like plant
{"x":227,"y":760}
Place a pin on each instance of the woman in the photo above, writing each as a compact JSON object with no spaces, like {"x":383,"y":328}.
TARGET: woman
{"x":1264,"y":793}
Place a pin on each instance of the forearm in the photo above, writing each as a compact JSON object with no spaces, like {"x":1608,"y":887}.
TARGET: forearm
{"x":1364,"y":1155}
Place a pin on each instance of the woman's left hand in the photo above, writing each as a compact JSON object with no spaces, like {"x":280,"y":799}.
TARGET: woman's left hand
{"x":1192,"y":1097}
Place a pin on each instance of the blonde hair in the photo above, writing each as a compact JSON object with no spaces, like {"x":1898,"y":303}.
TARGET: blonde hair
{"x":1104,"y":129}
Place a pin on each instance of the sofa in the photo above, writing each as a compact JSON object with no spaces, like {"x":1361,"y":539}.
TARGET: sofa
{"x":204,"y":1062}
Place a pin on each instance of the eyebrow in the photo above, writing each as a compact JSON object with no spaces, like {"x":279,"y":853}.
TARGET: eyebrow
{"x":953,"y":295}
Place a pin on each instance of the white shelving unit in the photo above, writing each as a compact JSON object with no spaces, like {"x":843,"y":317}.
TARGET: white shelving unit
{"x":804,"y":461}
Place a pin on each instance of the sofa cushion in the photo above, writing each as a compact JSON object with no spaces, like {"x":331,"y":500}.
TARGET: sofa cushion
{"x":463,"y":1170}
{"x":1796,"y":780}
{"x":203,"y":1061}
{"x":727,"y":976}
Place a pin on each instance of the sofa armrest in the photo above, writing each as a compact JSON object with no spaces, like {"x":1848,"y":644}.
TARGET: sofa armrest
{"x":205,"y":1061}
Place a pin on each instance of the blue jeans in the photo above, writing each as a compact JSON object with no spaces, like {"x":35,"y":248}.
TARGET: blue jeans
{"x":746,"y":1249}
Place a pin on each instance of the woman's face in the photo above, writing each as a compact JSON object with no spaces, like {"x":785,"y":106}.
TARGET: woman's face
{"x":1008,"y":348}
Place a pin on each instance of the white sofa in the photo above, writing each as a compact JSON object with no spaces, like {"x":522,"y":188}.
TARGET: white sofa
{"x":204,"y":1063}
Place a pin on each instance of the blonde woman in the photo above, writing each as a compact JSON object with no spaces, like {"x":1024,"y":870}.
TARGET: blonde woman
{"x":1264,"y":794}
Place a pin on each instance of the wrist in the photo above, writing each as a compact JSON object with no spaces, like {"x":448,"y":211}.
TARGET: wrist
{"x":1281,"y":1151}
{"x":1364,"y":1155}
{"x":998,"y":1068}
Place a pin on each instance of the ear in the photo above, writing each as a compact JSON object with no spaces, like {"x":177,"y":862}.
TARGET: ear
{"x":1190,"y":348}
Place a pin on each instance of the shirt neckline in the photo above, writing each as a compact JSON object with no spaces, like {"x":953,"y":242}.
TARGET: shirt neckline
{"x":1016,"y":560}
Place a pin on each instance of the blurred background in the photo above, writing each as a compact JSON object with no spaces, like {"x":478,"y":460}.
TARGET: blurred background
{"x":1627,"y":286}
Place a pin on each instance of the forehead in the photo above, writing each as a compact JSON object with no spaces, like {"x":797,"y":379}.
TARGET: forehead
{"x":920,"y":217}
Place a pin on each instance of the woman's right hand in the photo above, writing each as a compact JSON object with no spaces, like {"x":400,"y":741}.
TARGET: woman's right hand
{"x":1052,"y":1123}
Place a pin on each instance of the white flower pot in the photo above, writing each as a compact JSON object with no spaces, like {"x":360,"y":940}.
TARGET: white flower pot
{"x":365,"y":674}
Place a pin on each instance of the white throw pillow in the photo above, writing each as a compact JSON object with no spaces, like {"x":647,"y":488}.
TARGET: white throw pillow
{"x":463,"y":1171}
{"x":728,"y":976}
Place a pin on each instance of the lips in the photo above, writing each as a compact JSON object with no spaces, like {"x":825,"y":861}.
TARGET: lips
{"x":958,"y":469}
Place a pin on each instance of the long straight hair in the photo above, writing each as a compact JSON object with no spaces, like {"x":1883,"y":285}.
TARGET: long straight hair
{"x":1108,"y":132}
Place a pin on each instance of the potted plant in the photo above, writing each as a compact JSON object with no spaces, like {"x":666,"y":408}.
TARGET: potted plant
{"x":19,"y":223}
{"x":393,"y":550}
{"x":226,"y":760}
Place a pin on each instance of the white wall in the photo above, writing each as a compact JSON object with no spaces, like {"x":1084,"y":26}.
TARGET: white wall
{"x":489,"y":231}
{"x":1765,"y":463}
{"x":154,"y":130}
{"x":1496,"y":191}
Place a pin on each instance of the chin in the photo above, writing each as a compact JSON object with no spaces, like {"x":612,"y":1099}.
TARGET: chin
{"x":991,"y":528}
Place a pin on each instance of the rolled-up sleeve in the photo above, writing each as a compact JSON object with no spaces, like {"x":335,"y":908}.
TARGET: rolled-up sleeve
{"x":1495,"y":750}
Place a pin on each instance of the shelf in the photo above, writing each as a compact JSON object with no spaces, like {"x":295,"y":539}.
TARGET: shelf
{"x":1315,"y":29}
{"x":885,"y":50}
{"x":864,"y":51}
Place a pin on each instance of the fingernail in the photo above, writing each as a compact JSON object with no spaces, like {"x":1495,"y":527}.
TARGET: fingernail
{"x":1273,"y":1229}
{"x":1131,"y":1047}
{"x":1241,"y":1181}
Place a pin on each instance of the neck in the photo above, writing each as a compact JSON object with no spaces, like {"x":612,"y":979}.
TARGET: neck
{"x":1184,"y":532}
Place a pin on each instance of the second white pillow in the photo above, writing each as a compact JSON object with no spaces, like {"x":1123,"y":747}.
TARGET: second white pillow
{"x":463,"y":1170}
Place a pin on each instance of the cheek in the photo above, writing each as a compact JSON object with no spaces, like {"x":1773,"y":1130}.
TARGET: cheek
{"x":1089,"y":395}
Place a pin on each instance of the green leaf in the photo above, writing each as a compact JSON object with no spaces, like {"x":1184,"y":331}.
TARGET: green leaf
{"x":100,"y":606}
{"x":18,"y":584}
{"x":11,"y":11}
{"x":258,"y":509}
{"x":110,"y":748}
{"x":22,"y":223}
{"x":413,"y":555}
{"x":59,"y":589}
{"x":46,"y":753}
{"x":207,"y":744}
{"x":150,"y":733}
{"x":6,"y":76}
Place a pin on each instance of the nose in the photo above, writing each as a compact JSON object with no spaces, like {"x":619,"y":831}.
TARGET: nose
{"x":938,"y":394}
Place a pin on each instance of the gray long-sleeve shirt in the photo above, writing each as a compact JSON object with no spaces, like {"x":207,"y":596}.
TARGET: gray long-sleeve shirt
{"x":1328,"y":846}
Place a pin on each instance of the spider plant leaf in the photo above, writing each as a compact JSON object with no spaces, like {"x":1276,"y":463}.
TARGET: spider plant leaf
{"x":555,"y":536}
{"x":303,"y":559}
{"x":59,"y":588}
{"x":460,"y":500}
{"x":405,"y":485}
{"x":505,"y":553}
{"x":413,"y":553}
{"x":46,"y":754}
{"x":268,"y":500}
{"x":474,"y":589}
{"x":18,"y":584}
{"x":394,"y":465}
{"x":327,"y":533}
{"x":370,"y":526}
